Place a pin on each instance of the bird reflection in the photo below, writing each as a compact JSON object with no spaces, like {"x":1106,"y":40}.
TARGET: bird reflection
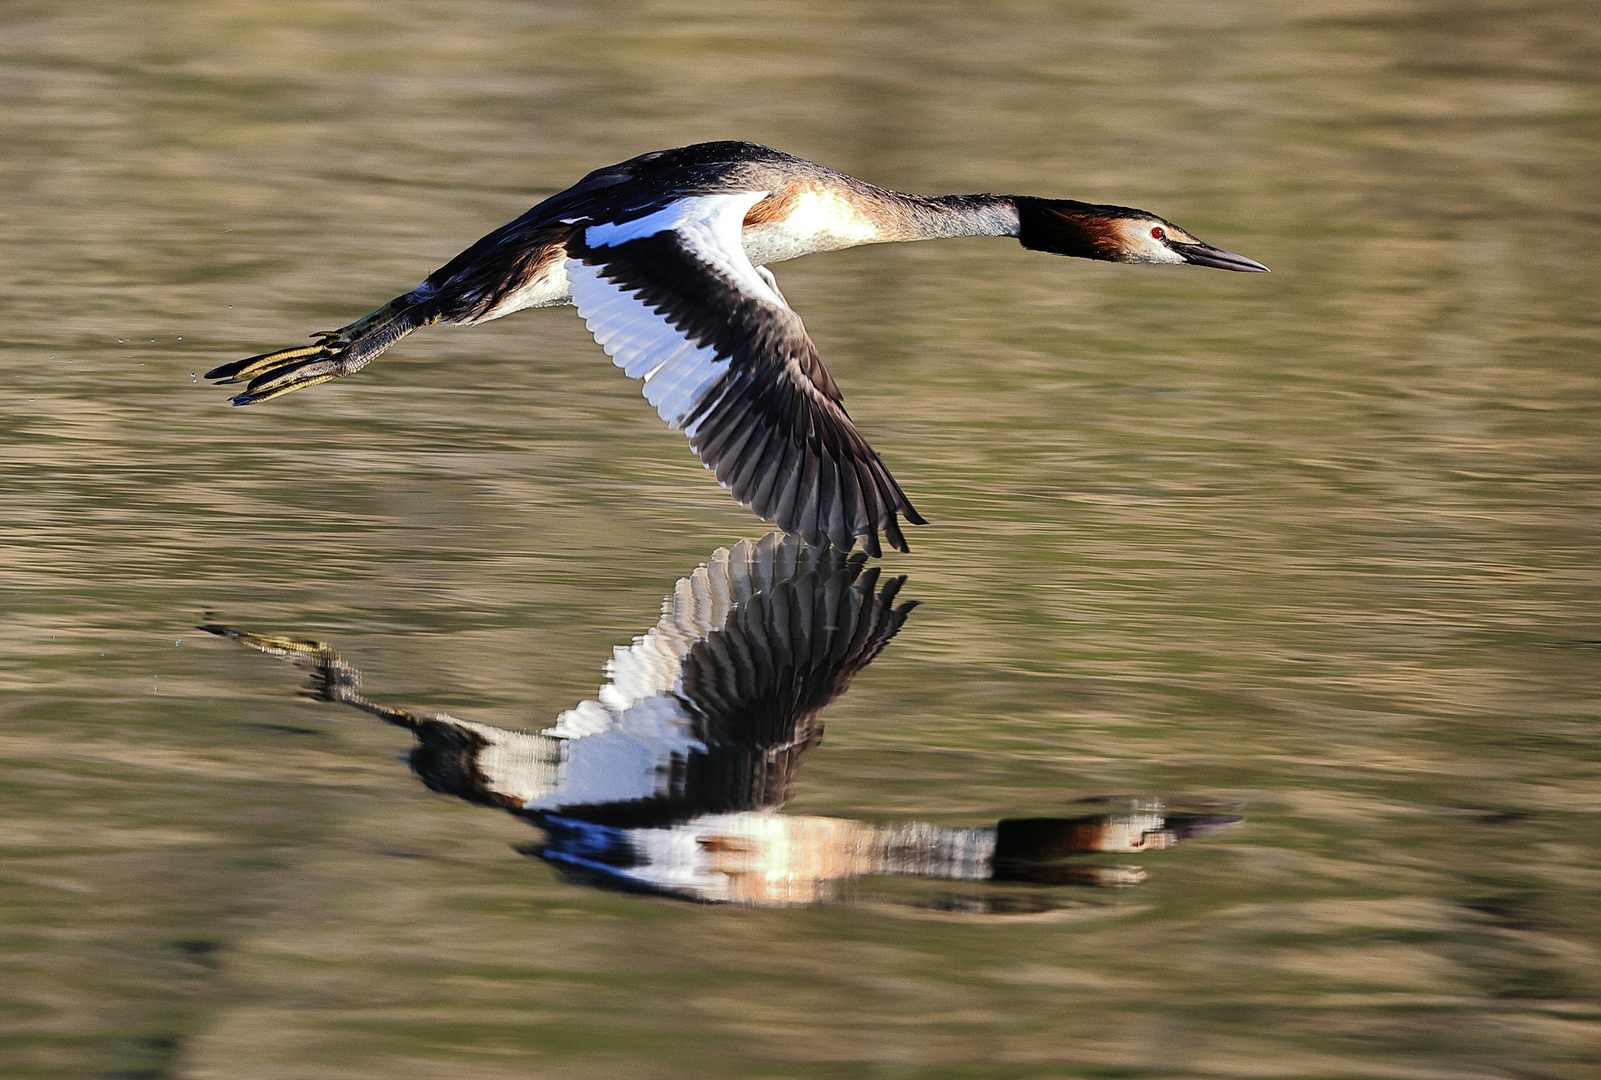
{"x":670,"y":780}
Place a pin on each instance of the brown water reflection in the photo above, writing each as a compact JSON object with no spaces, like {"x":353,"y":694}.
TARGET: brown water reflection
{"x":670,"y":781}
{"x":1321,"y":541}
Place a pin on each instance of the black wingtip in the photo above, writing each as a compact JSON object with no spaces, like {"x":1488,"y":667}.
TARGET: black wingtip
{"x":893,"y":536}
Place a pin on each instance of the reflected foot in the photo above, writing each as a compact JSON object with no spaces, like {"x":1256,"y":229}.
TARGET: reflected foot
{"x":333,"y":679}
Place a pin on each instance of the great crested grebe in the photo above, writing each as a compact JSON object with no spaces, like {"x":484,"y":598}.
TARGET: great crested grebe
{"x":665,"y":257}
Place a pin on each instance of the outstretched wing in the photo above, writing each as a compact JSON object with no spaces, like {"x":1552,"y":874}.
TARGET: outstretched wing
{"x":673,"y":299}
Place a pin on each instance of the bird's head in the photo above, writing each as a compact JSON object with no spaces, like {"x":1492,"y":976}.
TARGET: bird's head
{"x":1116,"y":234}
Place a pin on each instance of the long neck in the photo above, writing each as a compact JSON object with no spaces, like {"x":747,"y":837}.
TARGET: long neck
{"x":934,"y":217}
{"x":1059,"y":226}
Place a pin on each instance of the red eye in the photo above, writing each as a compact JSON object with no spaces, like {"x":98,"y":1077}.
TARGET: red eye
{"x":1157,"y":233}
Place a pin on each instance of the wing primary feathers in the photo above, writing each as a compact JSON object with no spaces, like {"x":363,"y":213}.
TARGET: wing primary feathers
{"x":776,"y":458}
{"x":748,"y":467}
{"x":806,"y":525}
{"x":833,"y":494}
{"x":851,"y":490}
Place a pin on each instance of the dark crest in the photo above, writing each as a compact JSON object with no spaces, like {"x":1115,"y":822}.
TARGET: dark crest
{"x":1068,"y":227}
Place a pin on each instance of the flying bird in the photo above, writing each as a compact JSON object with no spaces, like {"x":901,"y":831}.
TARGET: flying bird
{"x":665,"y":256}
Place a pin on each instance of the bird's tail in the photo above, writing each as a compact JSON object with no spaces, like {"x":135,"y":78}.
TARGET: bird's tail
{"x":336,"y":352}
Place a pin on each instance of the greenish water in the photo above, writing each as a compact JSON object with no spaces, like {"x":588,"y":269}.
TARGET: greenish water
{"x":1321,"y":543}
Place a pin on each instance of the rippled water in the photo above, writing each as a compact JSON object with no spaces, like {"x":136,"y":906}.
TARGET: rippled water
{"x":1320,"y":545}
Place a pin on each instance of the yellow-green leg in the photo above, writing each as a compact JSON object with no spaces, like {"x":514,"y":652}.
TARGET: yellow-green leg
{"x":335,"y":353}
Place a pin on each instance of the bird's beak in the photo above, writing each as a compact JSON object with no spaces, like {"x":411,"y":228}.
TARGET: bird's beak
{"x":1206,"y":255}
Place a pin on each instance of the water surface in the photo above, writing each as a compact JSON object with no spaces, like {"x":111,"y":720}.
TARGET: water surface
{"x":1320,"y":543}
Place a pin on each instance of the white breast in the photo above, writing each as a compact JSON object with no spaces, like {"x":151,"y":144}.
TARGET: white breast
{"x":818,"y":221}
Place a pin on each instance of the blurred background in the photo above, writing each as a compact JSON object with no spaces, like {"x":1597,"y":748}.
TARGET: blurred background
{"x":1321,"y":543}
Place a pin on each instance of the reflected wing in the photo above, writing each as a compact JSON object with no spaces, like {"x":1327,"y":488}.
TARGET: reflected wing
{"x":755,"y":688}
{"x":708,"y":711}
{"x":673,"y":299}
{"x":711,"y":709}
{"x":699,"y":604}
{"x":786,"y":653}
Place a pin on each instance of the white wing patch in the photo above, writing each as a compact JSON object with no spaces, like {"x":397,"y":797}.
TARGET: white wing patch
{"x":618,"y":747}
{"x":701,"y":603}
{"x":677,"y":373}
{"x":709,"y":225}
{"x":641,"y":341}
